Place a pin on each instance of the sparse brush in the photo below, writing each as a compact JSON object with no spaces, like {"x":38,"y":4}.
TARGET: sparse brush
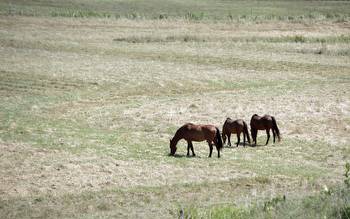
{"x":194,"y":15}
{"x":299,"y":39}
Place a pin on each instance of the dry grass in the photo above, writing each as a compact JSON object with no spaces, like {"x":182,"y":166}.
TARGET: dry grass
{"x":85,"y":119}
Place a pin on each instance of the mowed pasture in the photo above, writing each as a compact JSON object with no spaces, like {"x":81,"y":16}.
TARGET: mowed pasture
{"x":88,"y":106}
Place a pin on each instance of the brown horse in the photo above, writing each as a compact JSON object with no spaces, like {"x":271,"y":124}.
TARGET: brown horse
{"x":265,"y":122}
{"x":191,"y":132}
{"x":236,"y":127}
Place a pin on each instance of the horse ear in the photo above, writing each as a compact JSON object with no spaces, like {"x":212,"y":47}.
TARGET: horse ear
{"x":170,"y":139}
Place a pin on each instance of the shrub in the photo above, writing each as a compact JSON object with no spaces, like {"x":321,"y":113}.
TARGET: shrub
{"x":347,"y":175}
{"x":194,"y":16}
{"x":345,"y":213}
{"x":162,"y":16}
{"x":299,"y":39}
{"x":273,"y":203}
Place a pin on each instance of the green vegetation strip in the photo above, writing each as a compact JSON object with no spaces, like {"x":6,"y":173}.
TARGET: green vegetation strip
{"x":190,"y":10}
{"x":333,"y":203}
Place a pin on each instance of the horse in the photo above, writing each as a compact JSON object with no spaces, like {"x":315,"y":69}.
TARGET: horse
{"x":265,"y":122}
{"x":236,"y":127}
{"x":191,"y":132}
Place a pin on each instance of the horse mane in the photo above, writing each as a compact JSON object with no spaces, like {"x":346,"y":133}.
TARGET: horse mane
{"x":228,"y":119}
{"x":254,"y":115}
{"x":189,"y":123}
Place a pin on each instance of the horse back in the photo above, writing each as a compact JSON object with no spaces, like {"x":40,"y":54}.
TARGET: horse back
{"x":194,"y":132}
{"x":234,"y":126}
{"x":261,"y":122}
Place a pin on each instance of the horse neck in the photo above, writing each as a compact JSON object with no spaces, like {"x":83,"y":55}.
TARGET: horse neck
{"x":178,"y":136}
{"x":224,"y":127}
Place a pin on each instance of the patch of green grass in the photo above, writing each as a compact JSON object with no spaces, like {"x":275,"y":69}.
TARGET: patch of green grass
{"x":80,"y":14}
{"x":334,"y":204}
{"x":254,"y":39}
{"x":223,"y":211}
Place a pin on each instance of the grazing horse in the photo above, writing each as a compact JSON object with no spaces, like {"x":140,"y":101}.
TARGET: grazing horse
{"x":265,"y":122}
{"x":191,"y":132}
{"x":236,"y":127}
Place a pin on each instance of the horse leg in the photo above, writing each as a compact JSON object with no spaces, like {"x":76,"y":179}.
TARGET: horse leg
{"x":188,"y":148}
{"x":224,"y":136}
{"x":238,"y":138}
{"x":254,"y":134}
{"x":193,"y":154}
{"x":210,"y":148}
{"x":229,"y":139}
{"x":268,"y":135}
{"x":218,"y":151}
{"x":274,"y":135}
{"x":215,"y":141}
{"x":243,"y":139}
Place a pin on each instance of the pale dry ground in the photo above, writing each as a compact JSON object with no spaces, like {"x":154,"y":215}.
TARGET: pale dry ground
{"x":86,"y":115}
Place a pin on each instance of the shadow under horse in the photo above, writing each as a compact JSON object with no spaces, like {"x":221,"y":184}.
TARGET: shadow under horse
{"x":235,"y":127}
{"x":265,"y":122}
{"x":191,"y":132}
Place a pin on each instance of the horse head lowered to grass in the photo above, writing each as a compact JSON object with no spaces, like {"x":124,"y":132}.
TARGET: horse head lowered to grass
{"x":191,"y":132}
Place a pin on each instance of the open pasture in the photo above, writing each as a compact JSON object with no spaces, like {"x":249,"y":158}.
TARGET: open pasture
{"x":88,"y":106}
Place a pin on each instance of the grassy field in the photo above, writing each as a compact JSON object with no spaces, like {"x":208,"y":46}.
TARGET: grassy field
{"x":191,"y":9}
{"x":89,"y":102}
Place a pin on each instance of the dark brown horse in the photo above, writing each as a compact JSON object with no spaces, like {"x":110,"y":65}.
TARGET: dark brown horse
{"x":191,"y":132}
{"x":265,"y":122}
{"x":236,"y":127}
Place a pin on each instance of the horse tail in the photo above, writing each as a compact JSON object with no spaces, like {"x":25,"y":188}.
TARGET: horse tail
{"x":245,"y":129}
{"x":275,"y":128}
{"x":218,"y":139}
{"x":223,"y":128}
